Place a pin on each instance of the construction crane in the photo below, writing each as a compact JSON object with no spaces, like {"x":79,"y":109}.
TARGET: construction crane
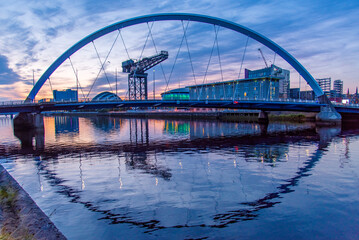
{"x":137,"y":78}
{"x":260,"y":50}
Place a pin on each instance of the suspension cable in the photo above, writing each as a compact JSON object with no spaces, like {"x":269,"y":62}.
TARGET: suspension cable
{"x":209,"y":61}
{"x":73,"y":68}
{"x":219,"y":58}
{"x":154,"y":44}
{"x":123,"y":42}
{"x":80,"y":87}
{"x":174,"y":63}
{"x":144,"y":46}
{"x":240,"y":69}
{"x":50,"y":84}
{"x":189,"y":55}
{"x":102,"y":64}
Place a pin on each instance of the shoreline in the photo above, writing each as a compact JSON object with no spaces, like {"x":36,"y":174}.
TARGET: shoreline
{"x":233,"y":116}
{"x":20,"y":217}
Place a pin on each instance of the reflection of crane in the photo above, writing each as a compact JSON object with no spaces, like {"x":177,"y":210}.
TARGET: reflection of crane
{"x":137,"y":78}
{"x":260,"y":50}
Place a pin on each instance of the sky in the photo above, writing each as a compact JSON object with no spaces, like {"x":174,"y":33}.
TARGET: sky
{"x":321,"y":35}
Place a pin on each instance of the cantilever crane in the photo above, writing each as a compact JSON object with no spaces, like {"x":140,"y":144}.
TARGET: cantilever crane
{"x":265,"y":62}
{"x":137,"y":78}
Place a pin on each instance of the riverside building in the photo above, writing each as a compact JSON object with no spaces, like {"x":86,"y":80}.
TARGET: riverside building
{"x":66,"y":95}
{"x":273,"y":71}
{"x":258,"y":88}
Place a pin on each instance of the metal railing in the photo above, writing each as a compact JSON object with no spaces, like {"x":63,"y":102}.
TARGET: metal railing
{"x":87,"y":100}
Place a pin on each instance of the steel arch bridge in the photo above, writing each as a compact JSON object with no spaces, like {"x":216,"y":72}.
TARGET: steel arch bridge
{"x":181,"y":17}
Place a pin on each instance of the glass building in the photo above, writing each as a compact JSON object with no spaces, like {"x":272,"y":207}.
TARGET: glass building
{"x":66,"y":95}
{"x":273,"y":71}
{"x":249,"y":88}
{"x":176,"y":94}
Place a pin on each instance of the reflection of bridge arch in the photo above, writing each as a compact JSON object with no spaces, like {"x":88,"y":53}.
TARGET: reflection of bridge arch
{"x":184,"y":17}
{"x":243,"y":212}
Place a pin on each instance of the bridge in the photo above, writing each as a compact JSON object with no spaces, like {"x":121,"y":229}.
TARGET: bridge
{"x":325,"y":109}
{"x":295,"y":106}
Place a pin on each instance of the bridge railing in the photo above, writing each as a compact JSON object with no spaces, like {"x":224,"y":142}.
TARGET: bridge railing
{"x":11,"y":103}
{"x":87,"y":100}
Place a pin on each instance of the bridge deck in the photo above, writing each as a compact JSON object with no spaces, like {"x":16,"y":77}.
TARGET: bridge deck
{"x":227,"y":104}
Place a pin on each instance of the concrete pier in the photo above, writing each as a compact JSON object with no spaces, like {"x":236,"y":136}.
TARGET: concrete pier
{"x":27,"y":121}
{"x":263,"y":117}
{"x":328,"y":116}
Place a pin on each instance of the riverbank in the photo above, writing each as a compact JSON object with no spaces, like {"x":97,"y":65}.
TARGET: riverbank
{"x":236,"y":116}
{"x":20,"y":217}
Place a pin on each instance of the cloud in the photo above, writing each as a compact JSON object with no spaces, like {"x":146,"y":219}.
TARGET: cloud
{"x":7,"y":75}
{"x":318,"y":34}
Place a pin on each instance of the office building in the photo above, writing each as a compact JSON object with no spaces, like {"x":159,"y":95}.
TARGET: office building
{"x":338,"y":88}
{"x":307,"y":95}
{"x":273,"y":71}
{"x":325,"y":85}
{"x":294,"y":93}
{"x":65,"y":96}
{"x":265,"y":88}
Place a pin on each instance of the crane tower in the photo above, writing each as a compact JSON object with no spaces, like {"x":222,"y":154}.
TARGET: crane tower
{"x":265,"y":62}
{"x":137,"y":78}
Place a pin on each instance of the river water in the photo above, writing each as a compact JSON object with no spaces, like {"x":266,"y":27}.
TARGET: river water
{"x":113,"y":178}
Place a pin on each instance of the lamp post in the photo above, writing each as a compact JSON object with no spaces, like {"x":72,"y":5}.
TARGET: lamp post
{"x":154,"y":89}
{"x":116,"y":80}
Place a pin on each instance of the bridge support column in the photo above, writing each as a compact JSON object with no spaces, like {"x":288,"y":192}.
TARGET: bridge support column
{"x":263,"y":117}
{"x":28,"y":121}
{"x":328,"y":116}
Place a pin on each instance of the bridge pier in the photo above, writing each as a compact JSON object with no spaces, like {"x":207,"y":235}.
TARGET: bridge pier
{"x":263,"y":117}
{"x":28,"y":121}
{"x":29,"y":126}
{"x":328,"y":116}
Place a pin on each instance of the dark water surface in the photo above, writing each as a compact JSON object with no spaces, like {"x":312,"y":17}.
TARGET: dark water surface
{"x":111,"y":178}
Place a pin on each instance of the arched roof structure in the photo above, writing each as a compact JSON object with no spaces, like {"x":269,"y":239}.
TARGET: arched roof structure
{"x":184,"y":17}
{"x":106,"y":96}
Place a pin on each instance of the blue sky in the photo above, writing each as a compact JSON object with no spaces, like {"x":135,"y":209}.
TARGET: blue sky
{"x":322,"y":35}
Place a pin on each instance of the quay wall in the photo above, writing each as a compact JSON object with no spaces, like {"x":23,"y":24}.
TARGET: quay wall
{"x":248,"y":115}
{"x":20,"y":217}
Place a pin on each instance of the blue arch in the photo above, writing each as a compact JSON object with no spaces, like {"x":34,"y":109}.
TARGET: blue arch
{"x":178,"y":16}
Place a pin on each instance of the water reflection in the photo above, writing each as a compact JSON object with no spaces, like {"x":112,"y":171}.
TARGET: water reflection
{"x":66,"y":125}
{"x":107,"y":124}
{"x":176,"y":127}
{"x":138,"y":131}
{"x":270,"y":199}
{"x":187,"y":159}
{"x":27,"y":138}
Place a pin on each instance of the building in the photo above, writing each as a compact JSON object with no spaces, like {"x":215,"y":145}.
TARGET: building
{"x":307,"y":95}
{"x":294,"y":93}
{"x":338,"y":88}
{"x":176,"y":94}
{"x":65,"y":96}
{"x":325,"y":85}
{"x":273,"y":71}
{"x":106,"y":96}
{"x":249,"y":88}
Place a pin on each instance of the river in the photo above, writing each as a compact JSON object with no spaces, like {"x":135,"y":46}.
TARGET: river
{"x":113,"y":178}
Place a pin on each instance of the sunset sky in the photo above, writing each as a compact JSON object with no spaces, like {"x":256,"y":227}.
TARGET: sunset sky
{"x":322,"y":35}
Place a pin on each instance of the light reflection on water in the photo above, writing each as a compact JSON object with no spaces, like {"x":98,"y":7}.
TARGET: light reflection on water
{"x":112,"y":178}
